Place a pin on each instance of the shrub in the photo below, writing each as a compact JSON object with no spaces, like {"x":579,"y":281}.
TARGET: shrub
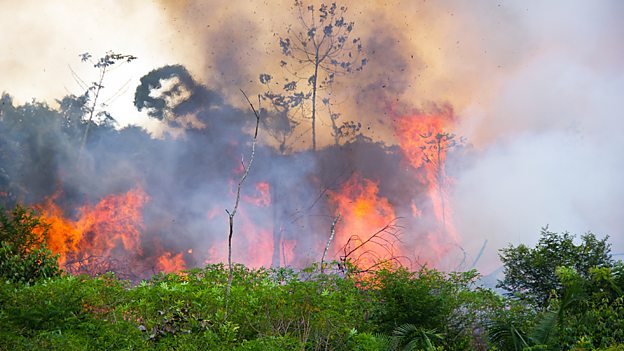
{"x":24,"y":257}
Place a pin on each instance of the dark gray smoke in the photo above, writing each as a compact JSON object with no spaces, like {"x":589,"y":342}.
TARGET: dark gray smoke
{"x":190,"y":178}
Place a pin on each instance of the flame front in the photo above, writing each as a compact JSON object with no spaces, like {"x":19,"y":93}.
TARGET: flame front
{"x":364,"y":214}
{"x":111,"y":228}
{"x":425,"y":141}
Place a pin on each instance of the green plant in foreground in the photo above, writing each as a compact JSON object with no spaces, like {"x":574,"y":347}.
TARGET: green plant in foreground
{"x":24,"y":257}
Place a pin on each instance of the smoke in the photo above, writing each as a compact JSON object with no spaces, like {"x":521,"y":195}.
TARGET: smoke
{"x":535,"y":89}
{"x":548,"y":143}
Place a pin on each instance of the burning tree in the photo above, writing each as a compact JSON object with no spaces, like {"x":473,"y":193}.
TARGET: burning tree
{"x":425,"y":141}
{"x":232,"y":213}
{"x":434,"y":149}
{"x":317,"y":52}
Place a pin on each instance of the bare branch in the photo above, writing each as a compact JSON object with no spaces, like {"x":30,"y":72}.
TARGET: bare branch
{"x":331,"y":238}
{"x":232,"y":213}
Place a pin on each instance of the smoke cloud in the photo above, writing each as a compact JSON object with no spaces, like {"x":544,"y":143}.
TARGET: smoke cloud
{"x":535,"y":90}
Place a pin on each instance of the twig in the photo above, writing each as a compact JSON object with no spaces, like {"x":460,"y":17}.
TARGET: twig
{"x":377,"y":234}
{"x":236,"y":203}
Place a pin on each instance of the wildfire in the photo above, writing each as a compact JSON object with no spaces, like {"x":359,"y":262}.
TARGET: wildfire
{"x":363,"y":213}
{"x":366,"y":233}
{"x":169,"y":262}
{"x":253,"y":241}
{"x":111,"y":228}
{"x":261,"y":197}
{"x":425,"y":141}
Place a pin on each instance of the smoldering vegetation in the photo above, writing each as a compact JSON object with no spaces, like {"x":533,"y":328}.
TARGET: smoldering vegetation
{"x":189,"y":176}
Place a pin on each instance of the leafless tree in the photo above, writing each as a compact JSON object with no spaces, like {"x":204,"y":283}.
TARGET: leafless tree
{"x":232,"y":213}
{"x":103,"y":64}
{"x":332,"y":233}
{"x":434,"y":150}
{"x":316,"y":51}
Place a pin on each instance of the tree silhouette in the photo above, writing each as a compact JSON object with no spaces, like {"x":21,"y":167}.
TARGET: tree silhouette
{"x":434,"y":149}
{"x":317,"y":51}
{"x":103,"y":65}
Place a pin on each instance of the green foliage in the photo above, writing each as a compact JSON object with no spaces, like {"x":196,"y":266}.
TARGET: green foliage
{"x":368,"y":342}
{"x":530,"y":273}
{"x":70,"y":313}
{"x":431,"y":300}
{"x":576,"y":291}
{"x":271,"y":309}
{"x":284,"y":309}
{"x":270,"y":343}
{"x":24,"y":257}
{"x":411,"y":337}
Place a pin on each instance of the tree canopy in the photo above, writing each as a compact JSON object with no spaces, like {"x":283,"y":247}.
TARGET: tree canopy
{"x":530,"y":273}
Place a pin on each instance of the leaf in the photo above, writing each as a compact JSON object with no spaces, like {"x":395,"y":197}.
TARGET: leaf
{"x":290,"y":86}
{"x":265,"y":78}
{"x":328,"y":30}
{"x":285,"y":45}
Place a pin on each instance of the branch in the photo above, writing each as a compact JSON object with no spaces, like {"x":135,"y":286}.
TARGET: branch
{"x":331,"y":237}
{"x":375,"y":235}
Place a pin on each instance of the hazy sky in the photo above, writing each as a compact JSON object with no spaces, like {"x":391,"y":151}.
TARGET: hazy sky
{"x":537,"y":86}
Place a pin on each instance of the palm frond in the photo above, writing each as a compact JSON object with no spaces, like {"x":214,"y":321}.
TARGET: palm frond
{"x":410,"y":337}
{"x":506,"y":334}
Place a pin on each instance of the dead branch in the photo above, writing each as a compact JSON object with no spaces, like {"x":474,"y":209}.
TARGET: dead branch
{"x":332,"y":233}
{"x":357,"y":250}
{"x":232,"y":213}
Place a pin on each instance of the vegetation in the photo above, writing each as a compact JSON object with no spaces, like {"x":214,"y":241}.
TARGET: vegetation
{"x":318,"y":50}
{"x":561,"y":295}
{"x":531,"y":273}
{"x":24,"y":257}
{"x":285,"y":309}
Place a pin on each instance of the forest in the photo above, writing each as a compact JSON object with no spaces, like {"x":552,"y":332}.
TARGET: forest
{"x":311,"y":208}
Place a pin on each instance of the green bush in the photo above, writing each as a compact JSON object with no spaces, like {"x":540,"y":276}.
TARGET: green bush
{"x":368,"y":342}
{"x":24,"y":257}
{"x":269,"y":343}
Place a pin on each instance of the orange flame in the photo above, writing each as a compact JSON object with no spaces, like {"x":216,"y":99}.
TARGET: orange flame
{"x":113,"y":224}
{"x":261,"y":197}
{"x":170,"y":263}
{"x":363,"y":212}
{"x":425,"y":142}
{"x":252,"y":243}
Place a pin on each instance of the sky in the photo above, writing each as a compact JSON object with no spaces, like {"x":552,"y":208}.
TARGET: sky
{"x":536,"y":87}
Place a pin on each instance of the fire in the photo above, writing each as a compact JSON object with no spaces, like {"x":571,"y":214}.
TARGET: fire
{"x":425,"y":141}
{"x":111,"y":226}
{"x":261,"y":197}
{"x":252,"y":240}
{"x":363,"y":213}
{"x":169,"y":262}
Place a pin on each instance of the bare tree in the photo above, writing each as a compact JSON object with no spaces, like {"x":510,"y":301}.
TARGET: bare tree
{"x":434,"y":151}
{"x":317,"y":51}
{"x":232,"y":213}
{"x":103,"y":64}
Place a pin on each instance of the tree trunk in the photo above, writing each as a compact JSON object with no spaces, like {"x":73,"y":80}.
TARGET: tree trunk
{"x":314,"y":85}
